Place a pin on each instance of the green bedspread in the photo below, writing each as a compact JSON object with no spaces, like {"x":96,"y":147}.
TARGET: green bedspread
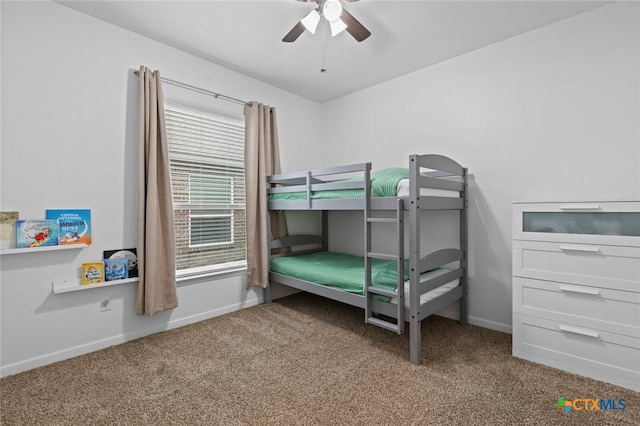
{"x":384,"y":183}
{"x":339,"y":270}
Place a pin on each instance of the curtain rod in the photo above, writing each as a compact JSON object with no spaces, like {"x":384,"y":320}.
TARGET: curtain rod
{"x":200,"y":90}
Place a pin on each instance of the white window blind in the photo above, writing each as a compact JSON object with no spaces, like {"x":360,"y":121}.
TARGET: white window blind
{"x":206,"y":153}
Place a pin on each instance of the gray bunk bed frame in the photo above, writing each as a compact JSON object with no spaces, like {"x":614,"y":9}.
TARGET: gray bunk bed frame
{"x":442,"y":169}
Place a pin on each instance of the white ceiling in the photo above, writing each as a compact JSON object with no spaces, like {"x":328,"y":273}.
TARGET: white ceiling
{"x":406,"y":35}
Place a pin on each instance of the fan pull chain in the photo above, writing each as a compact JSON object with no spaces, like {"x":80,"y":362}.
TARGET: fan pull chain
{"x":323,"y":70}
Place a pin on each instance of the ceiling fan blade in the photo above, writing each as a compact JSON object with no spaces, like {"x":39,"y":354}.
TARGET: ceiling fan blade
{"x":354,"y":27}
{"x":294,"y":33}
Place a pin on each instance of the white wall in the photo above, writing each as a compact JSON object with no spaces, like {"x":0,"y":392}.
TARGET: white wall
{"x":552,"y":114}
{"x":69,"y":136}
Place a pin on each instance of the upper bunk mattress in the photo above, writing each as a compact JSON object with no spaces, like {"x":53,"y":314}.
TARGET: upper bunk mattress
{"x":389,"y":182}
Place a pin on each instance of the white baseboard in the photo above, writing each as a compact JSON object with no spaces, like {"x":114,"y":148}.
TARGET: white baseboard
{"x":453,"y":313}
{"x":490,"y":324}
{"x":211,"y":314}
{"x":73,"y":352}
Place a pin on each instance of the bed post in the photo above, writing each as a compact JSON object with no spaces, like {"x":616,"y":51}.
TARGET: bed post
{"x":367,"y":242}
{"x":415,"y":329}
{"x":267,"y":289}
{"x":267,"y":293}
{"x":325,"y":230}
{"x":464,"y":246}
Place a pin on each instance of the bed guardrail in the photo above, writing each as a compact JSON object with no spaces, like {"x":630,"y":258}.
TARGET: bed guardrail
{"x":308,"y":182}
{"x":295,"y":241}
{"x":300,"y":178}
{"x":436,"y":183}
{"x":440,"y":258}
{"x":443,"y":174}
{"x":439,"y":163}
{"x":324,"y":186}
{"x":436,"y":282}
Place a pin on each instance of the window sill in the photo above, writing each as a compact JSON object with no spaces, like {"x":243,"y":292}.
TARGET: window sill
{"x":207,"y":276}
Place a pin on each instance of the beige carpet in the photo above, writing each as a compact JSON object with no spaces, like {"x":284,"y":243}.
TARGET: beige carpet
{"x":304,"y":360}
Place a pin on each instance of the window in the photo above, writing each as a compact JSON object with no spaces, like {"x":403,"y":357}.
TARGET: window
{"x":206,"y":152}
{"x":210,"y":227}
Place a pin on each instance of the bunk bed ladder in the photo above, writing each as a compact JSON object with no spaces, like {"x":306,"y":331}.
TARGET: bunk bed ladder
{"x":371,"y":290}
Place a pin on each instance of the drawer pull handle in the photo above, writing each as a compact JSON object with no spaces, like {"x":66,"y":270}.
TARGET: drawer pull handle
{"x":586,"y":249}
{"x":581,"y":290}
{"x":579,"y":207}
{"x":581,"y":331}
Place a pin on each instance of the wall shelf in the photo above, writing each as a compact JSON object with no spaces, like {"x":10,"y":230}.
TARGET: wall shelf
{"x":41,"y":249}
{"x":66,"y":286}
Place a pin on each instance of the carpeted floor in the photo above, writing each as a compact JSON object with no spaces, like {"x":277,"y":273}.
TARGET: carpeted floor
{"x":304,"y":360}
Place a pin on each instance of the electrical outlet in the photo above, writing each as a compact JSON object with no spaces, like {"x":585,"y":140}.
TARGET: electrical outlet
{"x":105,"y":305}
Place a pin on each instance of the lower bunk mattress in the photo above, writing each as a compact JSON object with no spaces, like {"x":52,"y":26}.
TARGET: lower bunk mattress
{"x":346,"y":272}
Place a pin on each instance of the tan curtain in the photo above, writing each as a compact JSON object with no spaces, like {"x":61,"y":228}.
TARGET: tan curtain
{"x":156,"y":239}
{"x":262,"y":158}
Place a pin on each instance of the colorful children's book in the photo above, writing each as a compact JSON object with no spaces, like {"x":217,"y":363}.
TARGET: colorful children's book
{"x":130,"y":254}
{"x":116,"y":268}
{"x":8,"y":229}
{"x":75,"y":225}
{"x":92,"y":273}
{"x":36,"y":233}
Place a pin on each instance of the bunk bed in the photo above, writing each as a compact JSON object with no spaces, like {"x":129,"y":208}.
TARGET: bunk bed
{"x":391,"y":287}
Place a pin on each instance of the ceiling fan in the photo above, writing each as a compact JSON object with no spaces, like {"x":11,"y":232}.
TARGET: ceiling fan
{"x":337,"y":17}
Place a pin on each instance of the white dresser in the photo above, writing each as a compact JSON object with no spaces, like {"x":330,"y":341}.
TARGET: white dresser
{"x":576,"y":288}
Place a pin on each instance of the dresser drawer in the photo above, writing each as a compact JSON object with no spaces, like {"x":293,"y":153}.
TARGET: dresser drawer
{"x":609,"y":310}
{"x":572,"y":347}
{"x":603,"y":266}
{"x":608,"y":223}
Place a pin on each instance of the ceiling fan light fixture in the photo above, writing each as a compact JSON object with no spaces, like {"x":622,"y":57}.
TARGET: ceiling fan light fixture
{"x":337,"y":27}
{"x":311,"y":20}
{"x":332,"y":10}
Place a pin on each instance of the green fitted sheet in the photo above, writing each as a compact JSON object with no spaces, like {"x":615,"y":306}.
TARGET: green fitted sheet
{"x":384,"y":183}
{"x":339,"y":270}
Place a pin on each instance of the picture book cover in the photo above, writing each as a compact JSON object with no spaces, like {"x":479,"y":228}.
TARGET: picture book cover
{"x":116,"y":268}
{"x":92,"y":273}
{"x":74,"y":225}
{"x":8,"y":229}
{"x":130,"y":254}
{"x":36,"y":233}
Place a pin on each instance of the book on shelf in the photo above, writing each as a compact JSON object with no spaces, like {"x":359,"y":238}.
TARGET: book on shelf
{"x":74,"y":225}
{"x":92,"y":273}
{"x":116,"y":269}
{"x":130,"y":254}
{"x":8,"y":229}
{"x":36,"y":233}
